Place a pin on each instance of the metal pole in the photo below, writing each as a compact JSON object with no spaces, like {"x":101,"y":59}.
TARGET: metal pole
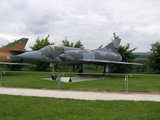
{"x":0,"y":78}
{"x":59,"y":83}
{"x":126,"y":82}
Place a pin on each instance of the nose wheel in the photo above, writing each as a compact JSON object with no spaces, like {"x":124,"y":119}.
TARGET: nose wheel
{"x":52,"y":65}
{"x":54,"y":77}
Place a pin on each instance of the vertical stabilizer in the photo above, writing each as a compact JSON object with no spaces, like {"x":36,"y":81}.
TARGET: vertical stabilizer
{"x":111,"y":47}
{"x":116,"y":43}
{"x":15,"y":47}
{"x":22,"y":41}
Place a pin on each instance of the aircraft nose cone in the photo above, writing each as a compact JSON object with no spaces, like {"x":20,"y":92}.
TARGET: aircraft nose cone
{"x":34,"y":55}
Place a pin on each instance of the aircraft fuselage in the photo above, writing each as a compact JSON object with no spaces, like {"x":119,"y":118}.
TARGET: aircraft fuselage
{"x":70,"y":55}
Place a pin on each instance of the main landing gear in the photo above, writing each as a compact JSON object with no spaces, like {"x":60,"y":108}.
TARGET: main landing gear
{"x":79,"y":68}
{"x":106,"y":69}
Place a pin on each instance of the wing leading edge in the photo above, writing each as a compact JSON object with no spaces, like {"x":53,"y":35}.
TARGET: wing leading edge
{"x":9,"y":63}
{"x":107,"y":62}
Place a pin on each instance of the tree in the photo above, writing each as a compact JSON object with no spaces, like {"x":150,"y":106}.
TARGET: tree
{"x":40,"y":43}
{"x":78,"y":44}
{"x":115,"y":36}
{"x":13,"y":67}
{"x":154,"y":58}
{"x":66,"y":43}
{"x":127,"y":56}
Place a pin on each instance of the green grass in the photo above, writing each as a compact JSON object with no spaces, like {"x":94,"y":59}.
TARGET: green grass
{"x":34,"y":80}
{"x":36,"y":108}
{"x":144,"y":83}
{"x":31,"y":108}
{"x":30,"y":80}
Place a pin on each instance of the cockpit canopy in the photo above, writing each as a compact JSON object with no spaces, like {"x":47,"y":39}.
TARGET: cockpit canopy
{"x":50,"y":49}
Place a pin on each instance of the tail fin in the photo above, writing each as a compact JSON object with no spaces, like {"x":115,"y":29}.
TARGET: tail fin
{"x":20,"y":41}
{"x":111,"y":47}
{"x":15,"y":47}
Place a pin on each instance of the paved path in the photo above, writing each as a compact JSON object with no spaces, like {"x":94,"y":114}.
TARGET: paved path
{"x":83,"y":95}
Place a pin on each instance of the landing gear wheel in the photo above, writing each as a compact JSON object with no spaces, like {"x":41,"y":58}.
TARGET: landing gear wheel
{"x":80,"y":72}
{"x":54,"y":77}
{"x":105,"y":74}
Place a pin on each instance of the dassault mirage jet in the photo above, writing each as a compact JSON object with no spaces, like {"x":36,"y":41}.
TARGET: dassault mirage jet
{"x":55,"y":54}
{"x":8,"y":52}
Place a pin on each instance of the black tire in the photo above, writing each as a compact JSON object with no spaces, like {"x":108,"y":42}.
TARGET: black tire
{"x":54,"y":77}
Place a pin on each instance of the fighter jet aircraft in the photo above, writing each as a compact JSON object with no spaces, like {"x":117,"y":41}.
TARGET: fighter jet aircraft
{"x":61,"y":54}
{"x":8,"y":52}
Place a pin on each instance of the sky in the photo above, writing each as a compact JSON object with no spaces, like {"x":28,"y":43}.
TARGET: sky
{"x":93,"y":22}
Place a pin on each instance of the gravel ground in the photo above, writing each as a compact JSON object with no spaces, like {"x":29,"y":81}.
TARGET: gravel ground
{"x":78,"y":78}
{"x":82,"y":95}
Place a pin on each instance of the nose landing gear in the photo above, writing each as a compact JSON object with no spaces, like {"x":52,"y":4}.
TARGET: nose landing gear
{"x":52,"y":65}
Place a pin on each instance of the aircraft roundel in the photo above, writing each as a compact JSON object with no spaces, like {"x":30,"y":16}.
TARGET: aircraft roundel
{"x":8,"y":57}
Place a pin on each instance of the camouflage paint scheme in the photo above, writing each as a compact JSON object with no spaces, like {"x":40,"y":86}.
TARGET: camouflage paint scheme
{"x":60,"y":54}
{"x":56,"y":54}
{"x":8,"y":52}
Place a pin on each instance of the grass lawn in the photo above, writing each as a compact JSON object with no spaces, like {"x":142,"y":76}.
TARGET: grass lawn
{"x":34,"y":80}
{"x":144,"y":83}
{"x":36,"y":108}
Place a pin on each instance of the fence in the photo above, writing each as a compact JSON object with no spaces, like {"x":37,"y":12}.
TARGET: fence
{"x":85,"y":81}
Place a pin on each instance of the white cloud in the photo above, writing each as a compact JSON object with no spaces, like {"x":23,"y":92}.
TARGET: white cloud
{"x":92,"y":21}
